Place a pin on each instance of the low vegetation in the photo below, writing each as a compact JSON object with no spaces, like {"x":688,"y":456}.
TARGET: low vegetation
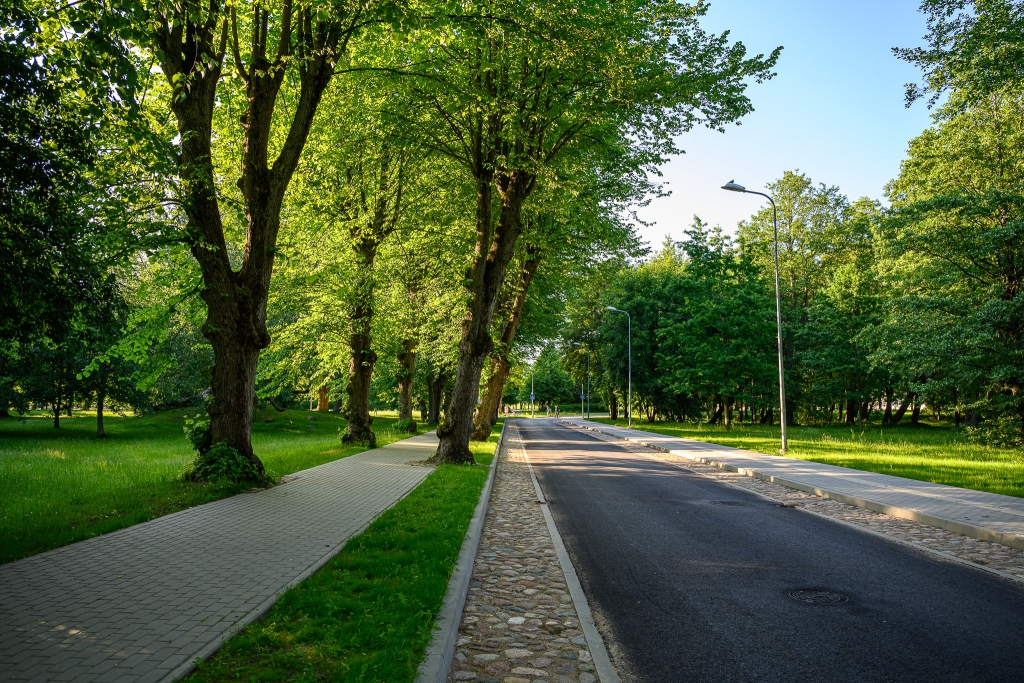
{"x":367,"y":615}
{"x":61,"y":486}
{"x":927,"y":452}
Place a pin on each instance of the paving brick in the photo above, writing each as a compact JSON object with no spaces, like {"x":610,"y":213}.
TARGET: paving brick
{"x":147,"y":598}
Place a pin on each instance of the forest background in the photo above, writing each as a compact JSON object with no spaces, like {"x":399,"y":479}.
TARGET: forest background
{"x":360,"y":205}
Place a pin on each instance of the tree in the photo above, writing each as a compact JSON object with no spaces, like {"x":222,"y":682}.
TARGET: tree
{"x":510,"y":89}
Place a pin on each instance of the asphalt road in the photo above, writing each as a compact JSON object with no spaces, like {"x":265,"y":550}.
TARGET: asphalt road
{"x":691,"y":580}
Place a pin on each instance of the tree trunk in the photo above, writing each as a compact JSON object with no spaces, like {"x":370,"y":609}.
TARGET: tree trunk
{"x":851,"y":411}
{"x":483,"y":283}
{"x":887,"y":416}
{"x":904,"y":406}
{"x":406,"y":374}
{"x":100,"y":396}
{"x":322,"y":404}
{"x":435,"y":388}
{"x":423,"y":410}
{"x":360,"y":370}
{"x":769,"y":417}
{"x":915,"y":414}
{"x":727,"y":413}
{"x":613,"y":406}
{"x":56,"y":410}
{"x":499,"y":358}
{"x":865,"y":412}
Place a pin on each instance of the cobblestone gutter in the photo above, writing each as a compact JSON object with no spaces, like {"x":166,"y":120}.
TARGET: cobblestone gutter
{"x":519,"y":624}
{"x":1001,"y":559}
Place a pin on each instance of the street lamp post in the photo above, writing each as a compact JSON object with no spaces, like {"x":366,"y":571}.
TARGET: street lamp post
{"x":531,"y":392}
{"x":629,"y":361}
{"x":588,"y":380}
{"x":732,"y":186}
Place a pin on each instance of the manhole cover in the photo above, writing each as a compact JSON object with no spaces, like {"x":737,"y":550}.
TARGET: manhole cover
{"x":730,"y":503}
{"x":818,"y":597}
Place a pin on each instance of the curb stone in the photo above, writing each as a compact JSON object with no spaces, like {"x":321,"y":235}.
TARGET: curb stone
{"x":437,"y":659}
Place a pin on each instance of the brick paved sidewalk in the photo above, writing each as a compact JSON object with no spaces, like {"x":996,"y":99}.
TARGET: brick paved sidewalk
{"x":987,"y":516}
{"x":142,"y":603}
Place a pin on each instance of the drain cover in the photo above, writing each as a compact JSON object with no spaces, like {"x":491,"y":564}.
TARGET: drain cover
{"x":816,"y":597}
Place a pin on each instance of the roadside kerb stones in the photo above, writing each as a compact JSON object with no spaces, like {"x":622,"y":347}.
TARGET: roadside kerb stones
{"x":519,"y":624}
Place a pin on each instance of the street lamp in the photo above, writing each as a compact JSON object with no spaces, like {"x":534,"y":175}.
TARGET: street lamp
{"x":588,"y":380}
{"x":732,"y":186}
{"x":629,"y":356}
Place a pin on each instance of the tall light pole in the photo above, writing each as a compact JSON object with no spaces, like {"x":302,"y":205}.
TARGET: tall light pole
{"x":588,"y":380}
{"x":629,"y":356}
{"x":733,"y":187}
{"x":531,"y":391}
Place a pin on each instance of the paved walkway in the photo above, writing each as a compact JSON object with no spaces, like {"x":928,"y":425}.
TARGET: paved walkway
{"x":987,"y":516}
{"x":141,"y":604}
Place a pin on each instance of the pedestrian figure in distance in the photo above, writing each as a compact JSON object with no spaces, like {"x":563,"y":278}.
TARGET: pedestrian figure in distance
{"x":556,"y":410}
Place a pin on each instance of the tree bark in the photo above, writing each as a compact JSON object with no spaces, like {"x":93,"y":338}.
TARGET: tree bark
{"x":191,"y":43}
{"x":851,"y":411}
{"x":435,"y":389}
{"x":360,"y":370}
{"x":904,"y":406}
{"x":499,"y":358}
{"x":100,"y":396}
{"x":613,"y":406}
{"x":483,"y":283}
{"x":727,"y":413}
{"x":406,"y":374}
{"x":915,"y":414}
{"x":322,"y":404}
{"x":887,"y":416}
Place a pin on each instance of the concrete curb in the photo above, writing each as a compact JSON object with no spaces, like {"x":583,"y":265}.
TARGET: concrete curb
{"x":953,"y":525}
{"x":437,"y":659}
{"x":602,"y":662}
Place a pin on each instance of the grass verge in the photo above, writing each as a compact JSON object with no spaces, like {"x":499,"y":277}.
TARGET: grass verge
{"x":928,"y":452}
{"x":367,"y":614}
{"x":58,"y":486}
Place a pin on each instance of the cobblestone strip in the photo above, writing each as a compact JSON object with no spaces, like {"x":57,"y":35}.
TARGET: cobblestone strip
{"x":981,"y":553}
{"x":519,"y":624}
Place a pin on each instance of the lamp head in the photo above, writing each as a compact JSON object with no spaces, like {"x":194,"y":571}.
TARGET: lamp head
{"x":733,"y":187}
{"x":612,"y":308}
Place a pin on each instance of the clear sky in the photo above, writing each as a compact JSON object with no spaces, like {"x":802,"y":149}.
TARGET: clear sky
{"x":835,"y":110}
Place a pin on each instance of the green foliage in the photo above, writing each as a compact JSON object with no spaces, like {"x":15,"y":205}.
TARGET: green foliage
{"x":197,"y":429}
{"x":407,"y":425}
{"x":221,"y":462}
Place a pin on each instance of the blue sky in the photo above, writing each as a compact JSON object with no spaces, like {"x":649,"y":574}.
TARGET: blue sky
{"x":835,"y":110}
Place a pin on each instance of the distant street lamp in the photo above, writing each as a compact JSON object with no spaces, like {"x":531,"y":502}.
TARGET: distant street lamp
{"x":588,"y":380}
{"x":629,"y":356}
{"x":733,"y":187}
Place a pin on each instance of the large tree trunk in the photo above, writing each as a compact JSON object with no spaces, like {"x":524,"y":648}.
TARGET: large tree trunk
{"x":499,"y":358}
{"x":322,"y":404}
{"x":406,"y":374}
{"x":435,"y":389}
{"x":915,"y":414}
{"x":484,"y":281}
{"x":851,"y":411}
{"x":887,"y":417}
{"x":613,"y":406}
{"x":191,"y":44}
{"x":360,"y":370}
{"x":904,"y":406}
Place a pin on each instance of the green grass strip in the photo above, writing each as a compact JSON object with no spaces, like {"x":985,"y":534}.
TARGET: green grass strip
{"x":926,"y":452}
{"x":367,"y":614}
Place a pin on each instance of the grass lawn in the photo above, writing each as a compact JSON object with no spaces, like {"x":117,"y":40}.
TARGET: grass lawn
{"x":367,"y":614}
{"x":928,"y":452}
{"x":62,"y":485}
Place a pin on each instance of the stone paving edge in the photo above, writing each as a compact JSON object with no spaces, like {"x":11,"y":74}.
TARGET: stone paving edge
{"x":437,"y":660}
{"x":953,"y":525}
{"x":599,"y":653}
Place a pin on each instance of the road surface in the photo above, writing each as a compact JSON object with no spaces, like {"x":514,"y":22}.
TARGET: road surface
{"x":693,"y":580}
